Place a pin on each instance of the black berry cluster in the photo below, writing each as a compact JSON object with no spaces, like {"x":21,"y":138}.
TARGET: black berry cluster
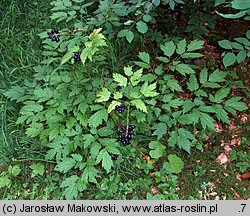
{"x":120,"y":108}
{"x":125,"y":135}
{"x":54,"y":35}
{"x":77,"y":56}
{"x":114,"y":156}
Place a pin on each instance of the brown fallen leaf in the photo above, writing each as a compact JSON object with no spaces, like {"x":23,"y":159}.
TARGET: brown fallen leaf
{"x":227,"y":149}
{"x":245,"y":176}
{"x":213,"y":186}
{"x":218,"y":128}
{"x":154,"y":190}
{"x":238,"y":176}
{"x":236,"y":195}
{"x":217,"y":198}
{"x":244,"y":117}
{"x":222,"y":159}
{"x":235,"y":141}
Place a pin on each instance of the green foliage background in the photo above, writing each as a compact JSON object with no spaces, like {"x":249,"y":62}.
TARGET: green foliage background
{"x":68,"y":107}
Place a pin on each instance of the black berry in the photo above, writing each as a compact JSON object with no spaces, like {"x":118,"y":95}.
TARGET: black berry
{"x":129,"y":136}
{"x":122,"y":130}
{"x":131,"y":127}
{"x":114,"y":156}
{"x":120,"y":108}
{"x":125,"y":134}
{"x":131,"y":132}
{"x":53,"y":35}
{"x":77,"y":56}
{"x":121,"y":136}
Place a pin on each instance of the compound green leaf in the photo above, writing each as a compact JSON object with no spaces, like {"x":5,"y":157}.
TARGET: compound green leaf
{"x":158,"y":149}
{"x":103,"y":95}
{"x":187,"y":133}
{"x":142,"y":64}
{"x":173,"y":138}
{"x":148,"y":90}
{"x":217,"y":76}
{"x":203,"y":76}
{"x":193,"y":83}
{"x":237,"y":46}
{"x":43,"y":94}
{"x":187,"y":106}
{"x":226,"y":44}
{"x":15,"y":93}
{"x":241,"y":56}
{"x":65,"y":165}
{"x":94,"y":150}
{"x":139,"y":104}
{"x":142,"y":27}
{"x":186,"y":119}
{"x":107,"y":162}
{"x":14,"y":170}
{"x":159,"y":69}
{"x":191,"y":55}
{"x":146,"y":18}
{"x":219,"y":95}
{"x":88,"y":139}
{"x":121,"y":80}
{"x":236,"y":104}
{"x":129,"y":36}
{"x":183,"y":142}
{"x":70,"y":122}
{"x":206,"y":121}
{"x":218,"y":2}
{"x":118,"y":95}
{"x":175,"y":103}
{"x":96,"y":119}
{"x":248,"y":34}
{"x":229,"y":59}
{"x":195,"y":45}
{"x":69,"y":55}
{"x":184,"y":69}
{"x":168,"y":48}
{"x":89,"y":174}
{"x":135,"y":78}
{"x":174,"y":85}
{"x":221,"y":114}
{"x":113,"y":105}
{"x":181,"y":46}
{"x":241,"y":4}
{"x":160,"y":129}
{"x":31,"y":106}
{"x":96,"y":40}
{"x":77,"y":157}
{"x":71,"y":187}
{"x":104,"y":132}
{"x":122,"y":33}
{"x":4,"y":182}
{"x":176,"y":164}
{"x":128,"y":70}
{"x":144,"y":57}
{"x":34,"y":130}
{"x":37,"y":169}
